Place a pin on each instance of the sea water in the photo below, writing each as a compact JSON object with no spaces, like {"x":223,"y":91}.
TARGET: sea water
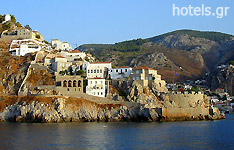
{"x":217,"y":134}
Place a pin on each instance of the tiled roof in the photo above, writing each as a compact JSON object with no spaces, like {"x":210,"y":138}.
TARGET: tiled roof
{"x":96,"y":78}
{"x":100,"y":62}
{"x":123,"y":67}
{"x":75,"y":51}
{"x":60,"y":57}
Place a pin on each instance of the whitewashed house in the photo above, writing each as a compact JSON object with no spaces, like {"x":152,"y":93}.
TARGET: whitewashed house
{"x":96,"y":69}
{"x":6,"y":18}
{"x":57,"y":44}
{"x":96,"y":87}
{"x":23,"y":47}
{"x":120,"y":72}
{"x":73,"y":55}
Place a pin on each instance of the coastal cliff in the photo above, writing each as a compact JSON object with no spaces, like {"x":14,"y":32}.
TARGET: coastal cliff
{"x":140,"y":105}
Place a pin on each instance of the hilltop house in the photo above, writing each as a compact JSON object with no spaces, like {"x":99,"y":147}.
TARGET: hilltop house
{"x":21,"y":33}
{"x":120,"y":72}
{"x":7,"y":17}
{"x":97,"y":87}
{"x":58,"y":45}
{"x":146,"y":77}
{"x":22,"y":47}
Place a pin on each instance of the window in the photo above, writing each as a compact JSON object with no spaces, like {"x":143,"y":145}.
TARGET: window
{"x":137,"y":78}
{"x":95,"y":71}
{"x":88,"y":71}
{"x":101,"y":82}
{"x":126,"y":70}
{"x":134,"y":78}
{"x":101,"y":93}
{"x":95,"y":82}
{"x":137,"y":72}
{"x":111,"y":70}
{"x":98,"y":93}
{"x":150,"y":78}
{"x":116,"y":70}
{"x":24,"y":30}
{"x":24,"y":33}
{"x":68,"y":89}
{"x":91,"y":71}
{"x":90,"y":82}
{"x":100,"y":70}
{"x":146,"y":78}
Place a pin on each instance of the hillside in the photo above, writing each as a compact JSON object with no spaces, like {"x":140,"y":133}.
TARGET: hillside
{"x":197,"y":52}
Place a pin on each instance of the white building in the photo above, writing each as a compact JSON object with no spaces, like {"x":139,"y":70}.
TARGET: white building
{"x":120,"y":72}
{"x":23,"y":47}
{"x":96,"y":87}
{"x":97,"y":69}
{"x":57,"y":44}
{"x":73,"y":55}
{"x":6,"y":18}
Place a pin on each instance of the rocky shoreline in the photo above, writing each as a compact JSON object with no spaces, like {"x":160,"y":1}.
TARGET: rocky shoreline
{"x":61,"y":110}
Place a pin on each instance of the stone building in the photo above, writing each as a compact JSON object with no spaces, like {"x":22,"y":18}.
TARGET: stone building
{"x":21,"y":33}
{"x":69,"y":85}
{"x":146,"y":77}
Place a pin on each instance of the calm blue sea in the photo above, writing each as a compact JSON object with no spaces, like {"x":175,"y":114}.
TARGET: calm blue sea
{"x":119,"y":136}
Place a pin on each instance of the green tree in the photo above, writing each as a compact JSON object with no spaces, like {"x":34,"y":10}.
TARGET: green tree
{"x":18,"y":24}
{"x":38,"y":36}
{"x":7,"y":26}
{"x":80,"y":72}
{"x":13,"y":19}
{"x":1,"y":18}
{"x":28,"y":27}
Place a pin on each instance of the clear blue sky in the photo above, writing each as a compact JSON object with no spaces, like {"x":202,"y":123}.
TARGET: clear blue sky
{"x":109,"y":21}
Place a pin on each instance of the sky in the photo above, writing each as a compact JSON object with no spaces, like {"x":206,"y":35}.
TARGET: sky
{"x":110,"y":21}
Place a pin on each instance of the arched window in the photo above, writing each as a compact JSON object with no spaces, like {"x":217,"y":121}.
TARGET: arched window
{"x":74,"y":83}
{"x":79,"y":83}
{"x":69,"y":83}
{"x":65,"y":83}
{"x":94,"y":70}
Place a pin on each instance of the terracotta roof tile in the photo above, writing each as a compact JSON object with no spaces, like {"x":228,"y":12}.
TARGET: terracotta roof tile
{"x":96,"y":78}
{"x":60,"y":57}
{"x":75,"y":51}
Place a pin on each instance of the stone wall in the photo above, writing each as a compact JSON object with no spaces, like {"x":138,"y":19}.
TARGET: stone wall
{"x":184,"y":113}
{"x":187,"y":100}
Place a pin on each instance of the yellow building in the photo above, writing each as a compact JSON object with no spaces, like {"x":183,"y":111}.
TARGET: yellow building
{"x":146,"y":76}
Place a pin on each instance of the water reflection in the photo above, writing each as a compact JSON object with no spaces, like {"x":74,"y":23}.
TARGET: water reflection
{"x":129,"y":135}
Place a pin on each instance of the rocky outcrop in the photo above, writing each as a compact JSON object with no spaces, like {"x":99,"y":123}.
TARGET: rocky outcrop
{"x":62,"y":111}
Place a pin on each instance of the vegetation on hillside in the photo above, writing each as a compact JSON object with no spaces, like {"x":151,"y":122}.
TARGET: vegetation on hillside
{"x":214,"y":36}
